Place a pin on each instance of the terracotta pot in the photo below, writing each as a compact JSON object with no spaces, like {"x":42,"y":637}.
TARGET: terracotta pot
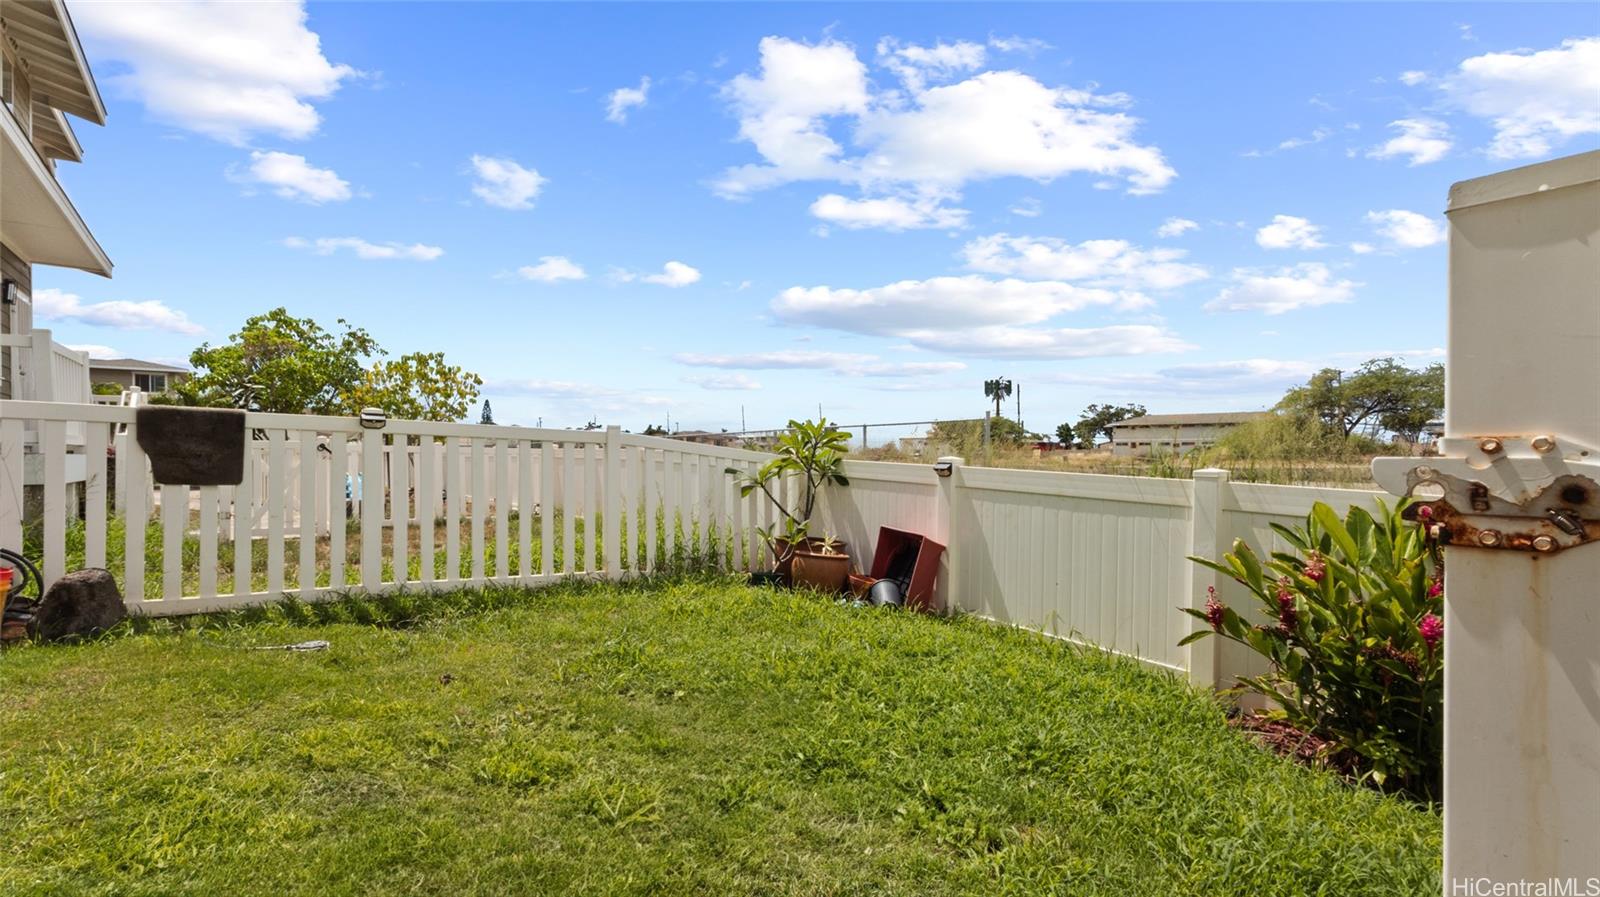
{"x":780,"y":548}
{"x":823,"y":572}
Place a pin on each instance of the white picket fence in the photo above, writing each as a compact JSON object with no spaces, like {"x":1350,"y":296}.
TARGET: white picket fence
{"x":638,"y":502}
{"x":1097,"y":559}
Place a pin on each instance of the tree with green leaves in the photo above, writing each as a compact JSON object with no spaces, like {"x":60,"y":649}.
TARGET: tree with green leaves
{"x":1097,"y":420}
{"x":280,"y":363}
{"x":1066,"y":436}
{"x":487,"y":417}
{"x":417,"y":386}
{"x":1380,"y":395}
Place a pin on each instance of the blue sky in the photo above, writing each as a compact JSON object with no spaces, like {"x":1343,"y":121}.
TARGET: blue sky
{"x":871,"y":208}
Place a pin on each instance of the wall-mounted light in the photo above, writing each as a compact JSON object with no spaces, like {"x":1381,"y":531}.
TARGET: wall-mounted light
{"x":8,"y":292}
{"x":373,"y":419}
{"x":944,"y":469}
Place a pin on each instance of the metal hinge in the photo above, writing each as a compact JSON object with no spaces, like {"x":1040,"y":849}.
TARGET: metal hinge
{"x":1520,"y":493}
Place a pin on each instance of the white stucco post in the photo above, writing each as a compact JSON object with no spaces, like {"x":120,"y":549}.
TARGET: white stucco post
{"x":1517,"y":469}
{"x":948,"y":469}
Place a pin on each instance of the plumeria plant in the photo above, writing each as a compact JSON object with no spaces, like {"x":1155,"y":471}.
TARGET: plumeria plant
{"x":1351,"y":628}
{"x":811,"y":452}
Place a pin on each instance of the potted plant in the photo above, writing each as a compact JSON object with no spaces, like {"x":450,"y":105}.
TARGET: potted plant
{"x":822,"y":565}
{"x":812,"y":452}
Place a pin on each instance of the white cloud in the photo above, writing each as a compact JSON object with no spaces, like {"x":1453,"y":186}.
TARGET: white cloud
{"x":1023,"y":342}
{"x":888,"y":213}
{"x":1249,"y":376}
{"x":724,"y":381}
{"x":55,"y":305}
{"x":1027,"y":46}
{"x":1176,"y":227}
{"x":96,"y":351}
{"x":502,"y":182}
{"x":364,"y":250}
{"x":1407,"y":230}
{"x":1106,"y":263}
{"x":1536,"y":101}
{"x":976,"y":316}
{"x":1027,"y":207}
{"x":225,"y":70}
{"x":292,"y":177}
{"x":576,"y":400}
{"x":1317,"y":136}
{"x":916,"y":66}
{"x":551,"y":269}
{"x":619,"y":101}
{"x":1421,"y":140}
{"x":1362,"y":248}
{"x":1413,"y":78}
{"x":930,"y":141}
{"x":673,"y":274}
{"x":1285,"y":289}
{"x":844,"y":362}
{"x":1289,"y":232}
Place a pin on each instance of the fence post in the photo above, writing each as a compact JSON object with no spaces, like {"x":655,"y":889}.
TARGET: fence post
{"x":1521,"y":441}
{"x":611,"y":523}
{"x":41,"y":368}
{"x":945,"y":526}
{"x":1207,"y":539}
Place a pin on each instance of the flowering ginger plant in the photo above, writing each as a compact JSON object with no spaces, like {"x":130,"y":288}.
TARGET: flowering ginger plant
{"x":1350,"y":621}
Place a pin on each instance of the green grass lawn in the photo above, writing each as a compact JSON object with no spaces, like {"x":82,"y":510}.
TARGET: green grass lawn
{"x":677,"y":737}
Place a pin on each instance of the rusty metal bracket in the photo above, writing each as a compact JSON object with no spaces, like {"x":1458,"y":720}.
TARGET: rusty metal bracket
{"x":1535,"y":493}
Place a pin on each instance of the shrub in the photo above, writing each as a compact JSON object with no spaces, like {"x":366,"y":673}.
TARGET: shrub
{"x":1355,"y":642}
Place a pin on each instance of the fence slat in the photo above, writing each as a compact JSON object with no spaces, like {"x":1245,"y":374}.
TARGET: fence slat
{"x":717,"y":495}
{"x":96,"y":437}
{"x":737,"y":535}
{"x":310,"y":466}
{"x":569,"y":509}
{"x":671,"y":484}
{"x":136,"y":498}
{"x":479,"y":507}
{"x":399,"y":510}
{"x":547,"y":508}
{"x":339,"y":488}
{"x":611,"y":531}
{"x":277,"y":464}
{"x":452,"y":518}
{"x":53,"y":443}
{"x":11,"y":504}
{"x":525,"y":509}
{"x":174,"y":517}
{"x":244,"y":523}
{"x":370,"y":488}
{"x":502,"y":509}
{"x":208,"y":542}
{"x":647,"y":512}
{"x":427,"y":497}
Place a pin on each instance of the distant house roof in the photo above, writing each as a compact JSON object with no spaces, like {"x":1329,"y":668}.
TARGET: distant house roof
{"x":133,"y":364}
{"x":1190,"y":420}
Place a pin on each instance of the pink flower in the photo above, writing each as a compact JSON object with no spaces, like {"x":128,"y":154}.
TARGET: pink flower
{"x":1288,"y":616}
{"x":1315,"y":568}
{"x":1215,"y":610}
{"x":1435,"y":587}
{"x":1432,"y":630}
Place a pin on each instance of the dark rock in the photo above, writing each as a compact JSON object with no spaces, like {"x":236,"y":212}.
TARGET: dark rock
{"x":79,"y":604}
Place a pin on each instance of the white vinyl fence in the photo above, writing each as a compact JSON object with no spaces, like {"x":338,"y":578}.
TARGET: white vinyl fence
{"x":1087,"y":557}
{"x":1092,"y":558}
{"x":515,"y":505}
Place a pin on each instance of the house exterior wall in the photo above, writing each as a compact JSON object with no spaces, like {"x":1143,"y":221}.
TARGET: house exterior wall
{"x":13,"y":319}
{"x":125,"y":378}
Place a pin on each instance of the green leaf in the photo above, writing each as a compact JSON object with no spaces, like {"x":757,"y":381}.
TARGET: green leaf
{"x":1335,"y":529}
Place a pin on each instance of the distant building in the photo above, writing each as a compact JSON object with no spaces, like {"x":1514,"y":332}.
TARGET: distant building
{"x":914,"y":445}
{"x":148,"y":376}
{"x":706,"y":437}
{"x":1174,"y":433}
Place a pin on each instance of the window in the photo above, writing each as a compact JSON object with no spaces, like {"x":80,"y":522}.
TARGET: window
{"x":151,"y":382}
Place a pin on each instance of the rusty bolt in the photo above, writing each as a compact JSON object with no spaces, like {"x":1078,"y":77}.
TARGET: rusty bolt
{"x":1544,"y":543}
{"x":1490,"y":446}
{"x":1489,"y":538}
{"x":1543,"y":444}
